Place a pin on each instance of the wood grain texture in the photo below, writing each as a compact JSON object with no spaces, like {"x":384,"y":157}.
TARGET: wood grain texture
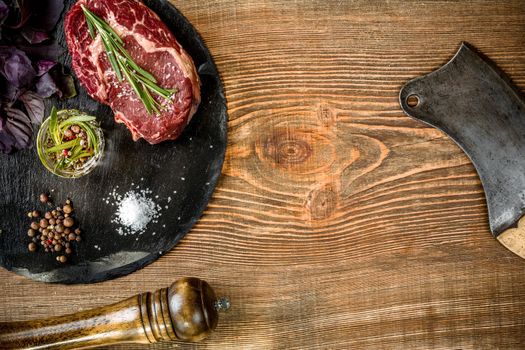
{"x":339,"y":222}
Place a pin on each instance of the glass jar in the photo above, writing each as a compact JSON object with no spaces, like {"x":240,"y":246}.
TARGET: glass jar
{"x":50,"y":160}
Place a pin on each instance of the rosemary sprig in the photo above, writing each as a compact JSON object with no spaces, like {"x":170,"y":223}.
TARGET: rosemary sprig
{"x":143,"y":83}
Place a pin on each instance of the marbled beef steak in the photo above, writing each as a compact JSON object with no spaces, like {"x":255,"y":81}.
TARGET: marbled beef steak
{"x":153,"y":47}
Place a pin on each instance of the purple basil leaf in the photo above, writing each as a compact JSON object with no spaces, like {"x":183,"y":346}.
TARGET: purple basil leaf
{"x":19,"y":126}
{"x":45,"y":86}
{"x":65,"y":84}
{"x":55,"y":81}
{"x":16,"y":68}
{"x":49,"y":51}
{"x":34,"y":105}
{"x":34,"y":36}
{"x":46,"y":14}
{"x":7,"y":141}
{"x":8,"y":92}
{"x":20,"y":14}
{"x":44,"y":66}
{"x":4,"y":12}
{"x":20,"y":132}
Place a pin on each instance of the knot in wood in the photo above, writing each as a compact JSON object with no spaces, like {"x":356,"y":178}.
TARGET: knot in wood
{"x":287,"y":149}
{"x":322,"y":202}
{"x":326,"y":115}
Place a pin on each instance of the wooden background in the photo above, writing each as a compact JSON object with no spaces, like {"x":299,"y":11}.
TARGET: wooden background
{"x":339,"y":222}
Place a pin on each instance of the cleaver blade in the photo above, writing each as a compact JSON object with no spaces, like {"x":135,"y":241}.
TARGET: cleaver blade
{"x":476,"y":105}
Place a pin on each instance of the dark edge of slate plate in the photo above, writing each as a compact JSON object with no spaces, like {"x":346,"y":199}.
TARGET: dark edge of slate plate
{"x":118,"y":255}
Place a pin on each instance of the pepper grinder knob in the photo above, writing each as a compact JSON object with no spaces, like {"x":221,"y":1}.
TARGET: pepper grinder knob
{"x":194,"y":308}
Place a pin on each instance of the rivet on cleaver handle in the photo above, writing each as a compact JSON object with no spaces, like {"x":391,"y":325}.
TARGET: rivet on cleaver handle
{"x":477,"y":106}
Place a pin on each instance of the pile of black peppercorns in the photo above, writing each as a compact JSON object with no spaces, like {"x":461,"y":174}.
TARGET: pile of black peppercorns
{"x":55,"y":231}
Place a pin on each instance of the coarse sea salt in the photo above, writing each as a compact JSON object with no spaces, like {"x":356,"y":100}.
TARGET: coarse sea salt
{"x":135,"y":210}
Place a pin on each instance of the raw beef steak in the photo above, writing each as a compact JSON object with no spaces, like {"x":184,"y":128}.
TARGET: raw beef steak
{"x":153,"y":47}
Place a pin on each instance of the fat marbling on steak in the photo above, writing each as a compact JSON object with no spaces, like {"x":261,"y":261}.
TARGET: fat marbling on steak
{"x":153,"y":47}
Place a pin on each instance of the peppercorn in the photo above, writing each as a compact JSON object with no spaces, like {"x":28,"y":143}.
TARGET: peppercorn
{"x":69,"y":222}
{"x":44,"y":198}
{"x":44,"y":223}
{"x":68,"y":134}
{"x":55,"y":230}
{"x":67,"y":209}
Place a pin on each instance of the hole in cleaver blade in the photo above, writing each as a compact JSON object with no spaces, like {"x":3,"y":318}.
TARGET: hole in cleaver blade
{"x":475,"y":104}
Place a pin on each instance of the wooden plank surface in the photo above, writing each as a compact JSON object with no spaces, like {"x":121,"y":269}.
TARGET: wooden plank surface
{"x":339,"y":222}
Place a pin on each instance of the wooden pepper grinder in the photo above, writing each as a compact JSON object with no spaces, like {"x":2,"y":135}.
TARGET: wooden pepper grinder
{"x":187,"y":311}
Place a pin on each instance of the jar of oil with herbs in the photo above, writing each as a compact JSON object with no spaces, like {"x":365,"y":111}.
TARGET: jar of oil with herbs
{"x":70,"y":143}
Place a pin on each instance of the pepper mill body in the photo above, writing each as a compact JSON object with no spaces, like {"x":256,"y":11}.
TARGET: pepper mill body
{"x":186,"y":311}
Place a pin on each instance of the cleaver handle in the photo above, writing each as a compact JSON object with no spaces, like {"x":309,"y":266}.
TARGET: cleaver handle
{"x":514,"y":238}
{"x":186,"y":311}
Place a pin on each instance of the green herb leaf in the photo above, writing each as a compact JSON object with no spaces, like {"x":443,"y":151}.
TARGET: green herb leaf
{"x":81,"y":155}
{"x":62,"y":146}
{"x":92,"y":137}
{"x":53,"y":129}
{"x":76,"y":119}
{"x":59,"y":164}
{"x":73,"y":152}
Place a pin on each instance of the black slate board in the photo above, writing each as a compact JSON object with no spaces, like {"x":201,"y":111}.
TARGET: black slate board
{"x":183,"y":175}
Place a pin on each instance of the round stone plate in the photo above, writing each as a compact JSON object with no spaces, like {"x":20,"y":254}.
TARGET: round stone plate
{"x":179,"y":177}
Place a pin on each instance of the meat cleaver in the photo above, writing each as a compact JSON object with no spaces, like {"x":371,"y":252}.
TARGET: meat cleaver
{"x":475,"y":104}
